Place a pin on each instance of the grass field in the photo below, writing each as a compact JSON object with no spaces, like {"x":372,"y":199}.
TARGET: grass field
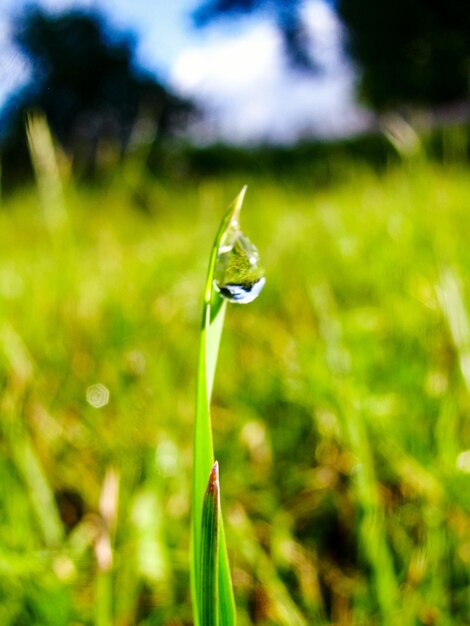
{"x":340,"y":408}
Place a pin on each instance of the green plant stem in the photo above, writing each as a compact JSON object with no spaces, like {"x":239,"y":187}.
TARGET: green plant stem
{"x":203,"y":460}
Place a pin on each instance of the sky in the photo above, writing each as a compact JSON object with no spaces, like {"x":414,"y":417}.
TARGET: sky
{"x":235,"y":70}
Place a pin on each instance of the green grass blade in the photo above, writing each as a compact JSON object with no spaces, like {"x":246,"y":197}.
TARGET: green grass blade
{"x":208,"y":595}
{"x":211,"y":331}
{"x":47,"y":172}
{"x":227,"y":610}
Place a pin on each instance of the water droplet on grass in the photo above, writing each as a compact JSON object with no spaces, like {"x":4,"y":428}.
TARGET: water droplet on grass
{"x":238,"y":275}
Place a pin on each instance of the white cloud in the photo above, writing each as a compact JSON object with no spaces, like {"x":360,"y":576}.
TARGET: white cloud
{"x":236,"y":70}
{"x":250,"y":93}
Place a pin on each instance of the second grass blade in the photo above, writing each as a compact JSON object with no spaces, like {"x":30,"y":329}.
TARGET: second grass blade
{"x":208,"y":593}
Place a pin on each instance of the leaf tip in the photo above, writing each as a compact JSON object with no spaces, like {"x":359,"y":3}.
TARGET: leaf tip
{"x":238,"y":202}
{"x":213,"y":485}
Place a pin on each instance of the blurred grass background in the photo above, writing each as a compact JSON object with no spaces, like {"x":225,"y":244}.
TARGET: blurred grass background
{"x":340,"y":410}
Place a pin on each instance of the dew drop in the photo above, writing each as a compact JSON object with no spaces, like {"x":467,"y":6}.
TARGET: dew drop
{"x":238,"y":274}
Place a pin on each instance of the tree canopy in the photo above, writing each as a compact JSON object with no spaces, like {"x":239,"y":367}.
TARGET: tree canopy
{"x":410,"y":51}
{"x":84,"y":78}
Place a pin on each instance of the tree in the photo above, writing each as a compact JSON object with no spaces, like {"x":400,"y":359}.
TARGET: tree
{"x":85,"y":81}
{"x":408,"y":52}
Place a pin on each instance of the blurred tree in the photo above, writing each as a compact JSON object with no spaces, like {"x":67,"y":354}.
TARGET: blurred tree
{"x":409,"y":52}
{"x":84,"y":79}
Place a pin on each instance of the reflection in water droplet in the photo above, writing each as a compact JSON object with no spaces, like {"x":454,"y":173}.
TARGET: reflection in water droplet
{"x":238,"y":274}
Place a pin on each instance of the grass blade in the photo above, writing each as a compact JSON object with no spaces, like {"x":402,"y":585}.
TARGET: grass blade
{"x":209,"y":611}
{"x":211,"y":331}
{"x":47,"y":171}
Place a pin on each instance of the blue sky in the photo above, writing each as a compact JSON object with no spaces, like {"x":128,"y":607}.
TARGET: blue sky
{"x":236,"y":70}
